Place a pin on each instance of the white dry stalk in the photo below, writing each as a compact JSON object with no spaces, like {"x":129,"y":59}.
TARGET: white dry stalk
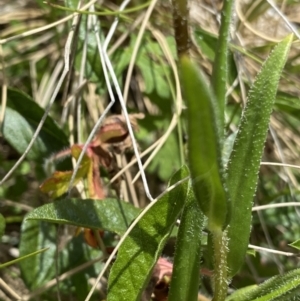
{"x":278,"y":205}
{"x":134,"y":160}
{"x":260,"y":34}
{"x":123,"y":105}
{"x":290,"y":177}
{"x":78,"y":90}
{"x":136,"y":49}
{"x":9,"y":290}
{"x":49,"y":26}
{"x":107,"y":66}
{"x":131,"y":187}
{"x":48,"y":84}
{"x":261,"y":249}
{"x":248,"y":25}
{"x":33,"y":79}
{"x":280,"y":164}
{"x":134,"y":223}
{"x":285,"y":19}
{"x":109,"y":88}
{"x":124,"y":35}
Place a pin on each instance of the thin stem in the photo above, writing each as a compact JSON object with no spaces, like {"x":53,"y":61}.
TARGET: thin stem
{"x":105,"y":13}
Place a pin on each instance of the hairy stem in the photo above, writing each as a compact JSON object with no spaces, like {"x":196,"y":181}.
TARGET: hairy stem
{"x":220,"y":265}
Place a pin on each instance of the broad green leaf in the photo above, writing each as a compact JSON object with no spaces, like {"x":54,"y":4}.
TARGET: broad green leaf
{"x":141,"y":249}
{"x":2,"y":225}
{"x":38,"y":270}
{"x":204,"y":146}
{"x":186,"y":269}
{"x":220,"y":67}
{"x":4,"y":265}
{"x":109,"y":214}
{"x":22,"y":116}
{"x":279,"y":288}
{"x":245,"y":158}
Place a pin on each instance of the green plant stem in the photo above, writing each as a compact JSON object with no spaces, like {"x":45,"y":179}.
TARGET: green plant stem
{"x":6,"y":264}
{"x":220,"y":265}
{"x":220,"y":68}
{"x":105,"y":13}
{"x":13,"y":219}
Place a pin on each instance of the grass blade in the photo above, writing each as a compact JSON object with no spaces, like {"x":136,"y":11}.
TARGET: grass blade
{"x":220,"y":68}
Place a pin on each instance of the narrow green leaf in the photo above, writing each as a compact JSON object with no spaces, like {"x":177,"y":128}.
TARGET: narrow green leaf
{"x":204,"y":145}
{"x":245,"y":158}
{"x":2,"y":225}
{"x":220,"y":68}
{"x":109,"y":214}
{"x":207,"y":42}
{"x":289,"y":104}
{"x":142,"y":248}
{"x":186,"y":269}
{"x":279,"y":288}
{"x":6,"y":264}
{"x":22,"y":117}
{"x":251,"y":252}
{"x":239,"y":294}
{"x":295,"y":244}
